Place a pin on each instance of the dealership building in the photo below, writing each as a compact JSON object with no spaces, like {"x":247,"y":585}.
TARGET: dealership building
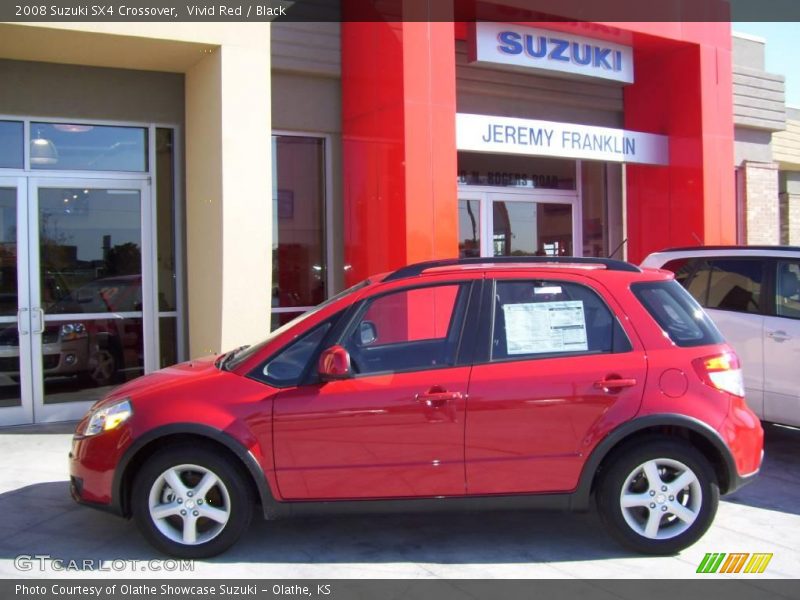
{"x":172,"y":190}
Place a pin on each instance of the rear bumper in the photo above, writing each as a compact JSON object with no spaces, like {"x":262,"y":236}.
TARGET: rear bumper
{"x":744,"y":437}
{"x":739,"y":481}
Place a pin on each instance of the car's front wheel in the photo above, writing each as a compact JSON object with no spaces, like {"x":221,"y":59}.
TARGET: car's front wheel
{"x":191,"y":502}
{"x":658,"y":497}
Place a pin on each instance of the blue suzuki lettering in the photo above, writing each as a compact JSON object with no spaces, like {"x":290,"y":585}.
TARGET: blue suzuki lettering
{"x":601,"y":57}
{"x":509,"y":42}
{"x":559,"y":50}
{"x":541,"y":46}
{"x":579,"y":59}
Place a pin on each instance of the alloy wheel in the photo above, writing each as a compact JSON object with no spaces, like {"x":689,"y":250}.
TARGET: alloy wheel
{"x":661,"y":498}
{"x":189,"y":504}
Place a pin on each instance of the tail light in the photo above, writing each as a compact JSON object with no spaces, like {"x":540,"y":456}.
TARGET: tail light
{"x":722,"y":372}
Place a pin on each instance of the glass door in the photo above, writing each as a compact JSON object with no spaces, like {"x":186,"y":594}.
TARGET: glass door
{"x":16,"y":399}
{"x":522,"y":226}
{"x":91,"y":324}
{"x":518,"y":223}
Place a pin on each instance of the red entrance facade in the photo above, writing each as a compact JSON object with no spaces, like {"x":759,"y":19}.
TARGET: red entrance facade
{"x":399,"y":137}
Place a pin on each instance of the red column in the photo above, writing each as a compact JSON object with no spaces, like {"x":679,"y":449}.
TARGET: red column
{"x":399,"y":155}
{"x":683,"y":89}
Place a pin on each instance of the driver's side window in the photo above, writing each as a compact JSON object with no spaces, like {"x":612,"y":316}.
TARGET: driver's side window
{"x":407,"y":330}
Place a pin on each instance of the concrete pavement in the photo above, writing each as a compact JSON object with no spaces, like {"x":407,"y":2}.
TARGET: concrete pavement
{"x":37,"y":516}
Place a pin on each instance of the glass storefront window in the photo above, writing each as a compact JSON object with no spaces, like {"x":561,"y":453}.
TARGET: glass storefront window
{"x":11,"y":144}
{"x":299,"y":274}
{"x":82,"y":147}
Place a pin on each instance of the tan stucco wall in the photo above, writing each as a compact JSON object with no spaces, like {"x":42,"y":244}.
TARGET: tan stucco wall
{"x":786,"y":145}
{"x":228,"y":154}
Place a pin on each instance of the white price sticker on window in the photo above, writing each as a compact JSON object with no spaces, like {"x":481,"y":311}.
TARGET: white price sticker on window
{"x":544,"y":327}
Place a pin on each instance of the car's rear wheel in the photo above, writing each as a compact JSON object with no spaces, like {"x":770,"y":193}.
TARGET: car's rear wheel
{"x":191,"y":502}
{"x":658,"y":497}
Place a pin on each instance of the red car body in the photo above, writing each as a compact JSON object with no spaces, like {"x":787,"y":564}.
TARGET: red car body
{"x":520,"y":432}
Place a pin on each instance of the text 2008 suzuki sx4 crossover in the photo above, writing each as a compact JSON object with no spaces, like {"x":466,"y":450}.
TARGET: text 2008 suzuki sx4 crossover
{"x":474,"y":383}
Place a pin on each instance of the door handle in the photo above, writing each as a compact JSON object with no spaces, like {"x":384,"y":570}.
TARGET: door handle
{"x":778,"y":336}
{"x":614,"y":384}
{"x":20,"y":321}
{"x":39,"y":328}
{"x":437,"y":399}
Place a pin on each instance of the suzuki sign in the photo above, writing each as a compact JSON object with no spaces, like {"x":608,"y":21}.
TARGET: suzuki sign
{"x":529,"y":47}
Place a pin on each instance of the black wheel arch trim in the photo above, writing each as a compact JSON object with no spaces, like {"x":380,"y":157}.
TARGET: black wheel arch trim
{"x":119,"y":501}
{"x":581,"y":497}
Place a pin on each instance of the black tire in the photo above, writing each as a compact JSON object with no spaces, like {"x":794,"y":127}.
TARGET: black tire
{"x":232,"y":495}
{"x":623,"y":471}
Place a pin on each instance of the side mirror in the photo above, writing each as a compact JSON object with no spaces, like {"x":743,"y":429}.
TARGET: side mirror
{"x":334,"y":363}
{"x":367,"y":333}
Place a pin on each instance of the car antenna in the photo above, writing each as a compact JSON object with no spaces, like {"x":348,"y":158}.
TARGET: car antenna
{"x":617,"y":249}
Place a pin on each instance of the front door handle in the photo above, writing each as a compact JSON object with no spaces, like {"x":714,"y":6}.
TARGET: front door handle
{"x":436,"y":398}
{"x":612,"y":384}
{"x":779,"y":336}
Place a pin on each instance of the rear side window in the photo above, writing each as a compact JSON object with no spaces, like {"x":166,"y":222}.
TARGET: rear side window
{"x":722,"y":283}
{"x":787,"y":297}
{"x":543,"y":319}
{"x":678,"y":314}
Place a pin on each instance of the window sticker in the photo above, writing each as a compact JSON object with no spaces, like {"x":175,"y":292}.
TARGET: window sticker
{"x":544,"y":327}
{"x":550,"y":289}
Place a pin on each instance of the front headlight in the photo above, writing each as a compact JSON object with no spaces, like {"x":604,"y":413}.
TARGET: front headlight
{"x":108,"y":417}
{"x":72,"y":331}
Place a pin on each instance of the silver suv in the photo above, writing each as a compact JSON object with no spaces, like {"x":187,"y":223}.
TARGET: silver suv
{"x":753,"y":295}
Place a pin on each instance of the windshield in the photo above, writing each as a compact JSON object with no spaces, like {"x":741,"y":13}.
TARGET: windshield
{"x":239,"y":356}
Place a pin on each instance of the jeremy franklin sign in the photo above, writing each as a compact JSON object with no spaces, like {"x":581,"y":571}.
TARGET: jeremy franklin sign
{"x":507,"y":135}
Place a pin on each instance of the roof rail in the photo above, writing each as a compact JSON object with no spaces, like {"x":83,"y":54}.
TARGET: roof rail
{"x":416,"y":269}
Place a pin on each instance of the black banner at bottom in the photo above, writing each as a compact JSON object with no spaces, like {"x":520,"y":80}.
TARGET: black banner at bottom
{"x":400,"y":589}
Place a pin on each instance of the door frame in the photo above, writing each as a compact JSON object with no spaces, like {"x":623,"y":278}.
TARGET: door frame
{"x":65,"y":411}
{"x":22,"y":414}
{"x":485,"y":195}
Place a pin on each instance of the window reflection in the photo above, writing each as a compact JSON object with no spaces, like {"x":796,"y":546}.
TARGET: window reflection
{"x":90,"y":249}
{"x":298,"y":269}
{"x":88,"y":147}
{"x":8,"y":252}
{"x":11,"y":144}
{"x":165,"y":215}
{"x":469,"y":228}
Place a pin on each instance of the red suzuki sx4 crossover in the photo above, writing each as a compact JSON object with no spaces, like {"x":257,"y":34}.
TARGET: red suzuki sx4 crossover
{"x":473,"y":384}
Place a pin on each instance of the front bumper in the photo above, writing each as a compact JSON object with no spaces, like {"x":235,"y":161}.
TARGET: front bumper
{"x":92,"y":463}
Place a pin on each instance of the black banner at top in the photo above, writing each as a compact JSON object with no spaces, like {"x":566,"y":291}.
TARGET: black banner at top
{"x":399,"y":10}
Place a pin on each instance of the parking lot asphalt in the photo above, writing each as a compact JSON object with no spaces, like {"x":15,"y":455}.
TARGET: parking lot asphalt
{"x":37,"y":517}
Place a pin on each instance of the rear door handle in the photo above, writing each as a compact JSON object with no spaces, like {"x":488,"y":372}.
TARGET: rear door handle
{"x":614,"y":384}
{"x":778,"y":336}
